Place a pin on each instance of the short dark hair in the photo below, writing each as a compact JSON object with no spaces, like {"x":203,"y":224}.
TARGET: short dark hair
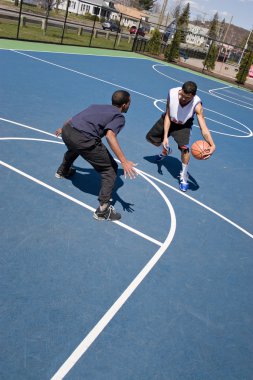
{"x":189,"y":88}
{"x":120,"y":97}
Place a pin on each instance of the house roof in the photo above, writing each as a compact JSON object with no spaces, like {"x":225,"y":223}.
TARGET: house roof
{"x":130,"y":12}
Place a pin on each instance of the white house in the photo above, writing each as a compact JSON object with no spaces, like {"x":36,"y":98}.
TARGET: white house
{"x":196,"y":35}
{"x":98,"y":8}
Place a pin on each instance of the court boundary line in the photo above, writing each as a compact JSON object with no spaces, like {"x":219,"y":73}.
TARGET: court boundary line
{"x":113,"y":310}
{"x":141,"y":173}
{"x":250,"y":133}
{"x":74,"y":200}
{"x":137,"y":56}
{"x":156,"y":179}
{"x":123,"y":87}
{"x":202,"y":205}
{"x":209,"y":92}
{"x":83,"y":74}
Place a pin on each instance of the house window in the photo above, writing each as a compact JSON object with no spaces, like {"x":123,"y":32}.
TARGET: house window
{"x":96,"y":11}
{"x":72,"y":4}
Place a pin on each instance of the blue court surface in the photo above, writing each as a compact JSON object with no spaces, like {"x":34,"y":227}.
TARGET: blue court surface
{"x":164,"y":294}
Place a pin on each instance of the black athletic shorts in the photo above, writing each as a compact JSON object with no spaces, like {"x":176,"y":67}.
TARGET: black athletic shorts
{"x":181,"y":133}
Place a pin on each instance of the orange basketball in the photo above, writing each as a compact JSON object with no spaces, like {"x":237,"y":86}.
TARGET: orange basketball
{"x":199,"y":149}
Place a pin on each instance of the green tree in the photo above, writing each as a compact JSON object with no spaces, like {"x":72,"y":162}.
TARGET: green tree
{"x":246,"y":62}
{"x":222,"y":28}
{"x":183,"y":21}
{"x":147,"y":5}
{"x":209,"y":63}
{"x":214,"y":27}
{"x":175,"y":13}
{"x":154,"y":44}
{"x":172,"y":51}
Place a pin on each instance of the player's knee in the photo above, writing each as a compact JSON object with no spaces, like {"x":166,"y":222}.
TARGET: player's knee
{"x":184,"y":148}
{"x":151,"y":140}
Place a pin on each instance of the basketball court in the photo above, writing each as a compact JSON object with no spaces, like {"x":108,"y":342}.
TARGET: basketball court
{"x":163,"y":294}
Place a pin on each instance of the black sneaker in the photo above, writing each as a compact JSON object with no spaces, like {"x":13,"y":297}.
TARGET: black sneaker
{"x":62,"y":174}
{"x":108,"y":214}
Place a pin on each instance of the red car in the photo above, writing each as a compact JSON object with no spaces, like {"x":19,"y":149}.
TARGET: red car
{"x":138,"y":32}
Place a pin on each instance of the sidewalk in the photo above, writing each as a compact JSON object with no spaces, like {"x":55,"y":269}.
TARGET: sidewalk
{"x":222,"y":71}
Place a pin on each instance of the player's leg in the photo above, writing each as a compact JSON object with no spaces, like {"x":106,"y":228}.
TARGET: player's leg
{"x":182,"y":138}
{"x":65,"y":170}
{"x":155,"y":136}
{"x":103,"y":162}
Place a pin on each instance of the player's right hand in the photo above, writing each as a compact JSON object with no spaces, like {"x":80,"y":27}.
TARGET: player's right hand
{"x":165,"y":143}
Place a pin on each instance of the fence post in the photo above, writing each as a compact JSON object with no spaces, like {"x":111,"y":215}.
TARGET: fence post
{"x":22,"y":21}
{"x":65,"y":19}
{"x":19,"y":17}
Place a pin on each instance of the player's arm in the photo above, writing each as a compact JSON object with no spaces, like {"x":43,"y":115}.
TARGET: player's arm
{"x":204,"y":130}
{"x":128,"y":166}
{"x":166,"y":125}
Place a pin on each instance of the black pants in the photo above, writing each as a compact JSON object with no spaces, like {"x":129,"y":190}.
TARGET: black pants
{"x":181,"y":133}
{"x":93,"y":151}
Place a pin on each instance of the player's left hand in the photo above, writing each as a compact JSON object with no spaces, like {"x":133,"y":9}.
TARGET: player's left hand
{"x":58,"y":132}
{"x":128,"y":167}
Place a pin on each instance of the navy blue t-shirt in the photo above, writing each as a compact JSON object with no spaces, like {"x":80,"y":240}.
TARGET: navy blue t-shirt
{"x":95,"y":120}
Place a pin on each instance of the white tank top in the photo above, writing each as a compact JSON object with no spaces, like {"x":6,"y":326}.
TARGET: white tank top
{"x":179,"y":114}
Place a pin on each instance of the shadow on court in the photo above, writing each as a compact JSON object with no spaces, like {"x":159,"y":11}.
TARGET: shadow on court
{"x":88,"y":181}
{"x":173,"y":166}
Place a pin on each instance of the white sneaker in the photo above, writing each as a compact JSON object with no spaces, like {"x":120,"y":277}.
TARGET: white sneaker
{"x":183,"y":182}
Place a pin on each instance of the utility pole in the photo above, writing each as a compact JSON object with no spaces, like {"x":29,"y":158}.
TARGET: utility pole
{"x":161,"y":17}
{"x":221,"y":47}
{"x":224,"y":38}
{"x":245,"y":46}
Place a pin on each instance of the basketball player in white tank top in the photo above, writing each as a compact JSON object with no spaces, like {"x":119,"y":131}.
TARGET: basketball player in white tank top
{"x":182,"y":104}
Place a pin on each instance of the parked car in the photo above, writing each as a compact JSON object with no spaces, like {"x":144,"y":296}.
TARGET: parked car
{"x":110,"y":25}
{"x":133,"y":29}
{"x":138,"y":32}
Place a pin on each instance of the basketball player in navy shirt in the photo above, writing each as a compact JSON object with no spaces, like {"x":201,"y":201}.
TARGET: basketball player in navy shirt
{"x":83,"y":134}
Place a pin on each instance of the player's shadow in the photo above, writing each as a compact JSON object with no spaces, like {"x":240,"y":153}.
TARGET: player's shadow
{"x":88,"y":181}
{"x":173,"y":166}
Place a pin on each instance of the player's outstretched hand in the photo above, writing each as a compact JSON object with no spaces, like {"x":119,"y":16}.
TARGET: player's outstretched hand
{"x":128,"y":167}
{"x":58,"y":132}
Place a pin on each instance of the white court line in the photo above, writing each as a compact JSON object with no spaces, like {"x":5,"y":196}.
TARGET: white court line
{"x":80,"y":54}
{"x":171,"y":187}
{"x":230,"y":101}
{"x":246,"y":135}
{"x":30,"y":139}
{"x":85,"y":75}
{"x":99,"y":327}
{"x":200,"y":204}
{"x":77,"y":201}
{"x":103,"y":322}
{"x":199,"y":90}
{"x":220,"y":88}
{"x":27,"y":127}
{"x":126,"y":88}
